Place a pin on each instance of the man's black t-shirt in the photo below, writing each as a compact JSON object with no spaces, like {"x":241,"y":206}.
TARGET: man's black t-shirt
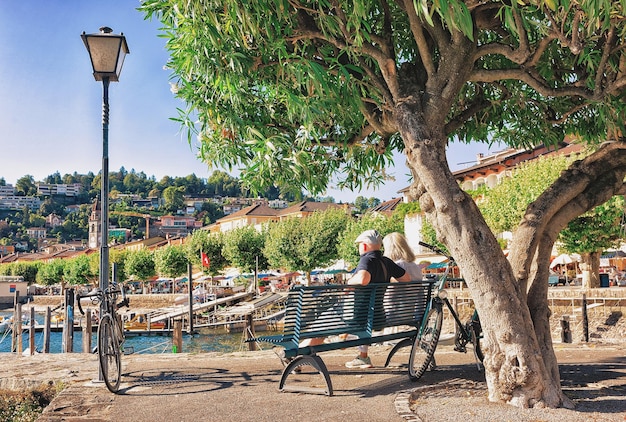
{"x":373,"y":262}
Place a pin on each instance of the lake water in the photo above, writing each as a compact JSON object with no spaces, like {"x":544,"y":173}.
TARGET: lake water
{"x":205,"y":340}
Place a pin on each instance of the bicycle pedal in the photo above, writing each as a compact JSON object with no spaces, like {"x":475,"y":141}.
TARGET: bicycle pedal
{"x":129,"y":350}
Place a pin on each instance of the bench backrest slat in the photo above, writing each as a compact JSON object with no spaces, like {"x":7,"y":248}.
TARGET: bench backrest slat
{"x":313,"y":311}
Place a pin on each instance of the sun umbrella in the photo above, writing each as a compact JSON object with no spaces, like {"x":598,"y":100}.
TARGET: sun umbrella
{"x":562,"y":259}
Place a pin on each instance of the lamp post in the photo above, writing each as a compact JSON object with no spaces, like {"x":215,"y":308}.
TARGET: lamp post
{"x":107,"y":52}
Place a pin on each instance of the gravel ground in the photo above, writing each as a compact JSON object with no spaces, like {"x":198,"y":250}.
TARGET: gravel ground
{"x":593,"y":377}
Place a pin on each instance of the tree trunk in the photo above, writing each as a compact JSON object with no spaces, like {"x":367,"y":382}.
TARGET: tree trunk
{"x":514,"y":368}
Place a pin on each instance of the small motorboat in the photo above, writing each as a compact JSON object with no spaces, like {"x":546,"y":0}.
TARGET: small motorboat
{"x":140,"y":322}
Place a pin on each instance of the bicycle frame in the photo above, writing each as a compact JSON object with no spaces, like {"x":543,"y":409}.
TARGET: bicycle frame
{"x":110,"y":333}
{"x":471,"y":331}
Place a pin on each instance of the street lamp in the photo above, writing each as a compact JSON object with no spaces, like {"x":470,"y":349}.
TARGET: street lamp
{"x":107,"y":52}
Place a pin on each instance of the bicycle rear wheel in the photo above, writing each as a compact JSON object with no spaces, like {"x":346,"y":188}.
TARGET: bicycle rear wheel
{"x":425,"y":343}
{"x":476,"y":333}
{"x":109,"y":354}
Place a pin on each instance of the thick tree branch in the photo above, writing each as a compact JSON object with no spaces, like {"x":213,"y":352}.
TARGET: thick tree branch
{"x":606,"y":53}
{"x":489,"y":76}
{"x":417,"y":29}
{"x":585,"y":185}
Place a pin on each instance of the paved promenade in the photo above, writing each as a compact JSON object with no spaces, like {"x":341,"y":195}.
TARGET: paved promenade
{"x":244,"y":387}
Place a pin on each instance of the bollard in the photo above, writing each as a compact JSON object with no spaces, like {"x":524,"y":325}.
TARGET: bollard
{"x":46,"y":330}
{"x":31,"y":331}
{"x":87,"y":332}
{"x":249,"y":332}
{"x":177,"y":337}
{"x":17,"y":329}
{"x":566,"y":334}
{"x":585,"y":320}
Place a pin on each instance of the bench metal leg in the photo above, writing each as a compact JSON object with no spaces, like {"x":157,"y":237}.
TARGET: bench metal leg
{"x":401,"y":344}
{"x":313,"y":361}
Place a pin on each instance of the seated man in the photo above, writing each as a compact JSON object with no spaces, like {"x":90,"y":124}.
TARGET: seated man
{"x":373,"y":267}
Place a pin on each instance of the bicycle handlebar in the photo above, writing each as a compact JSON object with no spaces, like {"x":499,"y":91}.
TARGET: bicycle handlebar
{"x":98,"y":293}
{"x":436,"y":249}
{"x":93,"y":293}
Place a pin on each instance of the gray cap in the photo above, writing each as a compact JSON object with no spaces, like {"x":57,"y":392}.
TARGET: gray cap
{"x":370,"y":237}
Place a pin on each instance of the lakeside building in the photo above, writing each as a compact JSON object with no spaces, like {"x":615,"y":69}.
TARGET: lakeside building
{"x":47,"y":189}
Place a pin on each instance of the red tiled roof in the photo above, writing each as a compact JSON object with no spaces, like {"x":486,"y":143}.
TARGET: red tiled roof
{"x":308,"y":206}
{"x":257,"y":209}
{"x":387,"y":207}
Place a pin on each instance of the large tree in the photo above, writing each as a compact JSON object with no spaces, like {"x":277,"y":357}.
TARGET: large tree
{"x":296,"y":92}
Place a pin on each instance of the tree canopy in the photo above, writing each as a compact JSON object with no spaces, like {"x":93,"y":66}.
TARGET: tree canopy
{"x":265,"y":78}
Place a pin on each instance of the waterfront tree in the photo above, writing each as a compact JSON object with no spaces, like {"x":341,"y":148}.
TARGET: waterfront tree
{"x":170,"y":261}
{"x":139,"y":265}
{"x":593,"y":232}
{"x":243,"y":248}
{"x":303,"y":244}
{"x":79,"y":271}
{"x":300,"y":94}
{"x":203,"y":241}
{"x":52,"y":272}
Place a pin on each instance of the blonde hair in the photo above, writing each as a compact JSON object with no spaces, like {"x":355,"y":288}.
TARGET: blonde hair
{"x":396,"y":247}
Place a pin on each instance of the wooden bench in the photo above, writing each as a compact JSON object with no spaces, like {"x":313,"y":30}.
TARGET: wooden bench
{"x":360,"y":312}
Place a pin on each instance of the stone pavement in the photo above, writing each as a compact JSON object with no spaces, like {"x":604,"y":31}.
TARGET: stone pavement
{"x":244,"y":387}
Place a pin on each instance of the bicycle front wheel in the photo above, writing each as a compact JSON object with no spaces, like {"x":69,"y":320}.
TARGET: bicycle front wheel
{"x":425,"y":343}
{"x":109,"y":354}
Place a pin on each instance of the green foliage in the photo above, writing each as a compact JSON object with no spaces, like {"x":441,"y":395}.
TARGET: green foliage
{"x":504,"y":205}
{"x":25,"y":186}
{"x":28,"y":270}
{"x":117,"y":258}
{"x":79,"y":271}
{"x":300,"y":94}
{"x":429,"y":235}
{"x":596,"y":230}
{"x":27,"y":406}
{"x":209,"y":243}
{"x":140,"y":265}
{"x":174,"y":199}
{"x":51,"y":272}
{"x":297,"y":244}
{"x":363,"y":204}
{"x":243,"y":246}
{"x":402,"y":210}
{"x":170,"y":261}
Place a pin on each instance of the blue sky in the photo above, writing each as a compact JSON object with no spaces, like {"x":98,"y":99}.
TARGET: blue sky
{"x":51,"y":106}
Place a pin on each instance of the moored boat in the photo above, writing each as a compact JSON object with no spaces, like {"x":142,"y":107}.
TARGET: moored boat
{"x":141,"y":322}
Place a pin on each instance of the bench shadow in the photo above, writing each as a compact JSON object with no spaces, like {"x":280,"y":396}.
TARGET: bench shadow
{"x":189,"y":381}
{"x":400,"y":381}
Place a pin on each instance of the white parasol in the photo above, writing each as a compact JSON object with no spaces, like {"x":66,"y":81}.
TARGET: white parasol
{"x":563,"y":259}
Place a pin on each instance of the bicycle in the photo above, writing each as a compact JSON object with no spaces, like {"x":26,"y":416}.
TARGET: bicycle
{"x":423,"y":350}
{"x":110,"y":332}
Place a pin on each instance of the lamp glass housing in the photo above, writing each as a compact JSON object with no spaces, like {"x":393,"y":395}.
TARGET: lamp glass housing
{"x":107,"y":52}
